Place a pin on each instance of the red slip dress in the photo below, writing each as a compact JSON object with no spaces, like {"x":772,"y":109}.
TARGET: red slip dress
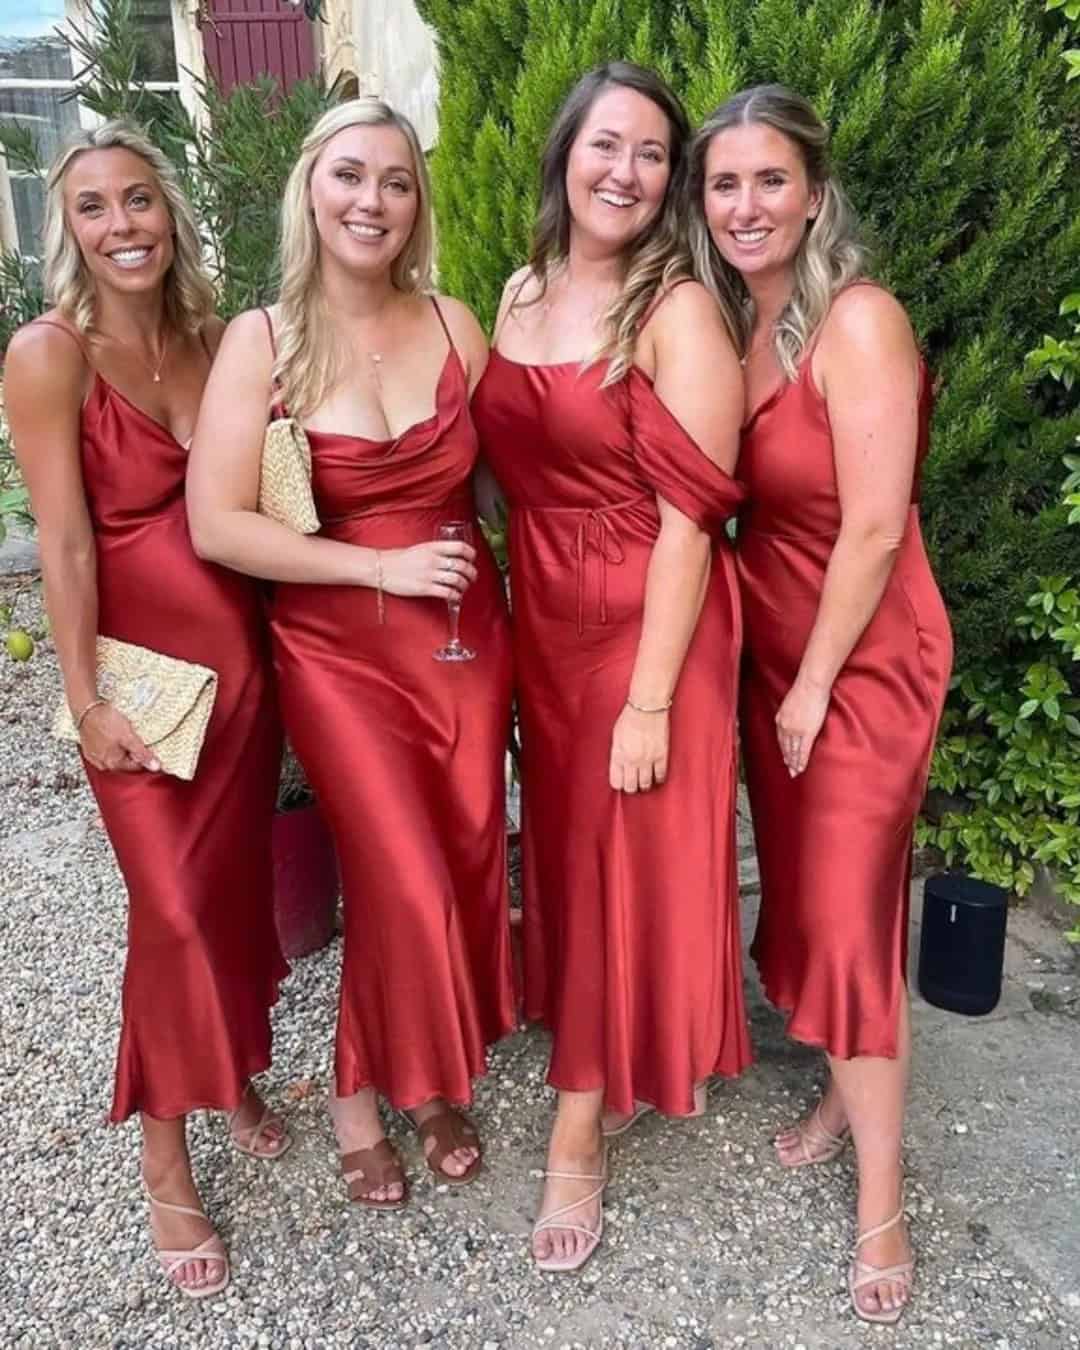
{"x":405,"y":754}
{"x":834,"y":844}
{"x":203,"y":961}
{"x":631,"y":924}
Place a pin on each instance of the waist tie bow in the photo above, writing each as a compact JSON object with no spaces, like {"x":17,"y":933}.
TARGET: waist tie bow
{"x":597,"y":532}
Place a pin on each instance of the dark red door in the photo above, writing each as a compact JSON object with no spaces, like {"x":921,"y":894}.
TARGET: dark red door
{"x":243,"y":39}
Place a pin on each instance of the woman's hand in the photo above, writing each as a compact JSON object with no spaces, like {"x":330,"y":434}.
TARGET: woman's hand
{"x":639,"y":750}
{"x":443,"y":568}
{"x":109,"y":742}
{"x":798,"y":722}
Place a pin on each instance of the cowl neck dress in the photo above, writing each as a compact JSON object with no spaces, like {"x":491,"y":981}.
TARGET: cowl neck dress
{"x":834,"y":844}
{"x":406,"y":758}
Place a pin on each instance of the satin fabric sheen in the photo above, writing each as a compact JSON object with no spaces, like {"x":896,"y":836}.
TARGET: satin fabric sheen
{"x":631,"y":926}
{"x":834,"y":844}
{"x":203,"y":961}
{"x":406,"y":757}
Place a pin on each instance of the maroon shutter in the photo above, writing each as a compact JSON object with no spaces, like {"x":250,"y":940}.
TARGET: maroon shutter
{"x":243,"y":39}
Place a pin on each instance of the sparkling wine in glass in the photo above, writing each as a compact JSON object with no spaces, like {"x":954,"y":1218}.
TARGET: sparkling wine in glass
{"x":460,"y":530}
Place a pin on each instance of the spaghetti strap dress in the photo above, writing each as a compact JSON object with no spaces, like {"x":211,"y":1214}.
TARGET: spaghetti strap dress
{"x":834,"y":844}
{"x":631,"y":924}
{"x":203,"y":960}
{"x":405,"y":754}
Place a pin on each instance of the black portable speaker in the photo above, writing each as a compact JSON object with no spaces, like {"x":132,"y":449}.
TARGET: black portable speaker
{"x":962,"y":948}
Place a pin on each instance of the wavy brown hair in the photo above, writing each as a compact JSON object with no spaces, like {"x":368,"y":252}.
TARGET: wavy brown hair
{"x":658,"y":256}
{"x":189,"y":295}
{"x":830,"y":256}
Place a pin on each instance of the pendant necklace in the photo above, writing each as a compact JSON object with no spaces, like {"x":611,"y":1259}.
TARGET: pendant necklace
{"x":155,"y":370}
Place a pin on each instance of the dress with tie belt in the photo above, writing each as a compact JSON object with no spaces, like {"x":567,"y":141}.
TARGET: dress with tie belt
{"x":631,"y":926}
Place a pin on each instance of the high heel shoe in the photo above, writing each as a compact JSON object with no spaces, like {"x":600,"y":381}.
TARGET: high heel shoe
{"x":818,"y":1144}
{"x":246,"y":1137}
{"x":861,"y":1274}
{"x":211,"y":1249}
{"x":553,"y":1220}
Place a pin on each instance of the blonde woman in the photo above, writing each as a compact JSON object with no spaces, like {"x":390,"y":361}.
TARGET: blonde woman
{"x":404,"y":751}
{"x":102,"y":395}
{"x":610,"y":414}
{"x":848,"y":641}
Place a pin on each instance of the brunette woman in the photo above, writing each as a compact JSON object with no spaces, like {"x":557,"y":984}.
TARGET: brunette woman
{"x":848,"y":641}
{"x":404,"y":751}
{"x":102,"y":395}
{"x":610,"y":414}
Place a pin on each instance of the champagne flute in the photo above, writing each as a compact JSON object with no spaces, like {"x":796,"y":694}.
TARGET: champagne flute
{"x":460,"y":530}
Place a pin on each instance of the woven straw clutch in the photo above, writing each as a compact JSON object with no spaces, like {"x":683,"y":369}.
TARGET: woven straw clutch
{"x":166,"y":700}
{"x":285,"y":477}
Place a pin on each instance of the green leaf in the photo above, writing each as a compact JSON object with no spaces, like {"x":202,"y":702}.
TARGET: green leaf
{"x":1028,"y":707}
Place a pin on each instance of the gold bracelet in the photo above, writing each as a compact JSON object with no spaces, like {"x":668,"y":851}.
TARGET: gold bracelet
{"x":637,"y":707}
{"x":97,"y":702}
{"x":380,"y":600}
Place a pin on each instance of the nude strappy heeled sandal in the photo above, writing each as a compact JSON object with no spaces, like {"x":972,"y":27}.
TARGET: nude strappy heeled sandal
{"x":631,"y":1120}
{"x":861,"y":1275}
{"x":553,"y":1220}
{"x":817,"y":1143}
{"x":245,"y":1137}
{"x":211,"y":1249}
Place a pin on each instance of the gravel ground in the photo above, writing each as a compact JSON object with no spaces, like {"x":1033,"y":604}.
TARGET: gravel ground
{"x":708,"y":1243}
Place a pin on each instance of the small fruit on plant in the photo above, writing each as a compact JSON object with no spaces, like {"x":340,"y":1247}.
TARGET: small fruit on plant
{"x":20,"y":645}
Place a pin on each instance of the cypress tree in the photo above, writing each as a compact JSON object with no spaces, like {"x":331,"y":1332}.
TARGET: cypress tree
{"x":955,"y":135}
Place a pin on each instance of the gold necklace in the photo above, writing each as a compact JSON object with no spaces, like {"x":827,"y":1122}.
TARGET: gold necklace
{"x":155,"y":370}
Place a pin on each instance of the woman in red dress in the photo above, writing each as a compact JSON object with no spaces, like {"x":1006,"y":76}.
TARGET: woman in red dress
{"x":610,"y":414}
{"x":848,"y":643}
{"x":102,"y":395}
{"x":405,"y":752}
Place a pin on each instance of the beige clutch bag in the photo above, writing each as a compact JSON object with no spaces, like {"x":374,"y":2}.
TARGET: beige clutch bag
{"x":285,"y":477}
{"x":166,"y":700}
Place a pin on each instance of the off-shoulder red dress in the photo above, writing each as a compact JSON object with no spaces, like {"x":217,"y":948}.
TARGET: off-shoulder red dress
{"x":203,"y":961}
{"x":834,"y":844}
{"x":405,"y":754}
{"x":631,"y":925}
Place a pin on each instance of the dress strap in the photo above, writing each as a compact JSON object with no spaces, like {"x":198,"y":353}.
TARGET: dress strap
{"x":72,"y":333}
{"x":513,"y":301}
{"x":445,"y":327}
{"x":277,"y":408}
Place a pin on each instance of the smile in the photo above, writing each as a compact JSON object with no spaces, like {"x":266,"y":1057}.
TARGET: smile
{"x":359,"y":231}
{"x":749,"y":236}
{"x":616,"y":199}
{"x":130,"y":257}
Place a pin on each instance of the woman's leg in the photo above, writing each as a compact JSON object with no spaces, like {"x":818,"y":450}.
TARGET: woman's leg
{"x":358,"y":1125}
{"x":166,"y":1170}
{"x":576,"y":1146}
{"x":873,"y":1093}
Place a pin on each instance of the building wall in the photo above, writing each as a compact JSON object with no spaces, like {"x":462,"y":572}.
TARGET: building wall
{"x":396,"y":59}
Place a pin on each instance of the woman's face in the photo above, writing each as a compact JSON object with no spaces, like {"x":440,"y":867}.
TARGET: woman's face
{"x":365,"y":197}
{"x":618,"y":169}
{"x":758,"y":198}
{"x":115,"y":208}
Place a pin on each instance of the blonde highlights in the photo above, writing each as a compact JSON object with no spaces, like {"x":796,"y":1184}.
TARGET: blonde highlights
{"x":69,"y":284}
{"x":308,"y":364}
{"x":830,"y":256}
{"x":658,"y":257}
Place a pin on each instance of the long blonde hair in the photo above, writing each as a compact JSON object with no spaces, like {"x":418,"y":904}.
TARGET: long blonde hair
{"x":69,"y":285}
{"x":830,"y":256}
{"x":308,"y":361}
{"x":658,"y":256}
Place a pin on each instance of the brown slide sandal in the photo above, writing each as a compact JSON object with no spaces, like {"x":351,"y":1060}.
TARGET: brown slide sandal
{"x":450,"y":1130}
{"x":366,"y":1170}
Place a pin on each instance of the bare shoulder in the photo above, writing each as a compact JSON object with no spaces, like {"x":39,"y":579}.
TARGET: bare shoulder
{"x":867,"y":319}
{"x":463,"y":324}
{"x":685,"y":302}
{"x":248,"y":331}
{"x":688,"y":317}
{"x":44,"y":359}
{"x":212,"y":332}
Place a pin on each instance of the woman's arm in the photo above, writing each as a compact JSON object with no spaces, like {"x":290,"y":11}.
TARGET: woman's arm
{"x":867,"y":367}
{"x":698,"y":379}
{"x":223,"y":491}
{"x":45,"y":377}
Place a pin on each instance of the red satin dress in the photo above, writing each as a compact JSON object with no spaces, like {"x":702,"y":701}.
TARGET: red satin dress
{"x":203,"y":961}
{"x":834,"y":844}
{"x":631,"y":924}
{"x":405,"y":754}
